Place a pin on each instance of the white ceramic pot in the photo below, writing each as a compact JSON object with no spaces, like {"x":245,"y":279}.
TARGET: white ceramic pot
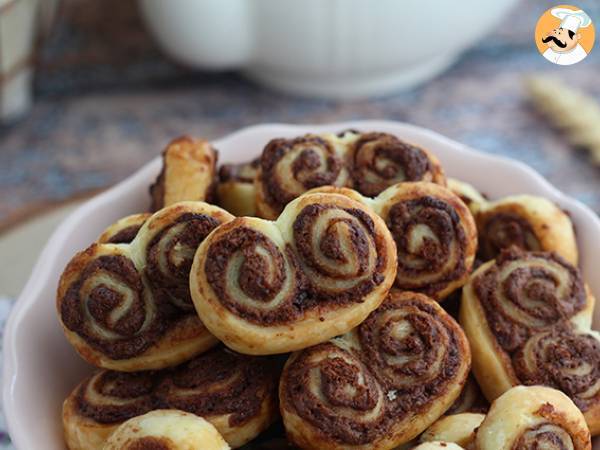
{"x":325,"y":48}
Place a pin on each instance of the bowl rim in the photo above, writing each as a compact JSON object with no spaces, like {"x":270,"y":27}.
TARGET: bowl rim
{"x":34,"y":287}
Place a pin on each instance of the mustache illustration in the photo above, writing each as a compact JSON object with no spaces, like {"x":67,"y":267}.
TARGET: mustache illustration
{"x":556,"y":41}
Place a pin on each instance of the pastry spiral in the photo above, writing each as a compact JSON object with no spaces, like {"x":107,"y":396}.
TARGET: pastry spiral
{"x":124,"y":230}
{"x":236,"y":393}
{"x":381,"y":160}
{"x":166,"y":430}
{"x":567,"y":360}
{"x":368,"y":162}
{"x":271,"y":287}
{"x":188,"y":173}
{"x":127,"y":306}
{"x":379,"y":385}
{"x":512,"y":311}
{"x":435,"y":236}
{"x":434,"y":231}
{"x":236,"y":191}
{"x":527,"y":418}
{"x":457,"y":428}
{"x":96,"y":407}
{"x":528,"y":222}
{"x":290,"y":167}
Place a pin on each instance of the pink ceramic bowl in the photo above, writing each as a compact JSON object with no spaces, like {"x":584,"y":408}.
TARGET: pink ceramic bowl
{"x":40,"y":367}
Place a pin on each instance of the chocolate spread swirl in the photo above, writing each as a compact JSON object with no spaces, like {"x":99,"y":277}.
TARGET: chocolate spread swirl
{"x":563,"y":359}
{"x":124,"y":231}
{"x":315,"y":164}
{"x":120,"y":310}
{"x":266,"y":274}
{"x":170,"y":255}
{"x":520,"y":299}
{"x":349,"y":249}
{"x":407,"y":357}
{"x":370,"y":164}
{"x":338,"y":371}
{"x":217,"y":383}
{"x":382,"y":160}
{"x":502,"y":230}
{"x":111,"y":397}
{"x":125,"y":235}
{"x":133,"y":331}
{"x":432,"y":343}
{"x":436,"y":260}
{"x":292,"y":280}
{"x":545,"y":435}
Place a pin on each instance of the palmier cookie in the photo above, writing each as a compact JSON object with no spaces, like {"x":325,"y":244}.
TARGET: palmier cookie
{"x":167,"y":429}
{"x":527,"y":317}
{"x":268,"y":287}
{"x":236,"y":191}
{"x":380,"y":385}
{"x":533,"y":417}
{"x":527,"y":222}
{"x":189,"y":172}
{"x":369,"y":162}
{"x":434,"y":231}
{"x":127,"y":306}
{"x":236,"y":393}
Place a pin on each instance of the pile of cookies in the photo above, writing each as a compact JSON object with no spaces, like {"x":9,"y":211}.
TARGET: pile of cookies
{"x":340,"y":291}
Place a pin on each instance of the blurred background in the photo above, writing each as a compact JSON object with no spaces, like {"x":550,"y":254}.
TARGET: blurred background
{"x":91,"y":90}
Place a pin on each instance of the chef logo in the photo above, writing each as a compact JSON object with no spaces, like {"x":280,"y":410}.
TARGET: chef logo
{"x":564,"y":35}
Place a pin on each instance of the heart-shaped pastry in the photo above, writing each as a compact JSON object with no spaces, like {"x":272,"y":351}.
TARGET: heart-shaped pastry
{"x":235,"y":393}
{"x":268,"y":287}
{"x":367,"y":162}
{"x":380,"y":385}
{"x":127,"y":306}
{"x":528,"y":319}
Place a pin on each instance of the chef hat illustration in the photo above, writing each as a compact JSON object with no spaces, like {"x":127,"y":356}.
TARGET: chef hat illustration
{"x":572,"y":20}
